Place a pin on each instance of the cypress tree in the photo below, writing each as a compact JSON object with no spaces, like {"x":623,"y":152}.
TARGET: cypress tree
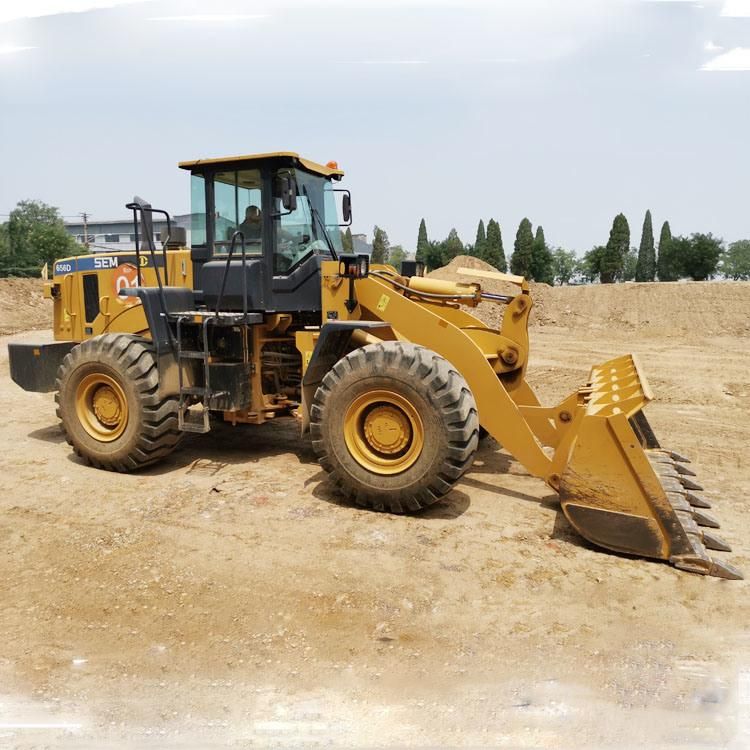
{"x":613,"y":260}
{"x":541,"y":259}
{"x":480,"y":242}
{"x":348,"y":241}
{"x":645,"y":269}
{"x":666,"y":266}
{"x":423,"y":244}
{"x":523,"y":249}
{"x":494,"y":254}
{"x":380,"y":246}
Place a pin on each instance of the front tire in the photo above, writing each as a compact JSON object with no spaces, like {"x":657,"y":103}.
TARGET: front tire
{"x":395,"y":425}
{"x":109,"y":405}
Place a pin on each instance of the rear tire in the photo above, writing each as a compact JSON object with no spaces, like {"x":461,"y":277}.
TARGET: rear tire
{"x":109,"y":405}
{"x":395,"y":425}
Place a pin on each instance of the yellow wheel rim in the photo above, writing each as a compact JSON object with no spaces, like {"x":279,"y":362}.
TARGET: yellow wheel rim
{"x":101,"y":407}
{"x":383,"y":432}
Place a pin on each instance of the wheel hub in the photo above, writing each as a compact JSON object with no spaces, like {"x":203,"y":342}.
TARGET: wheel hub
{"x":106,"y":406}
{"x":101,"y":407}
{"x":383,"y":432}
{"x":387,"y":429}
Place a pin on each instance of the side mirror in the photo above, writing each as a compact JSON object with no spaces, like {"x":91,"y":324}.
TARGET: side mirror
{"x":346,"y":206}
{"x":288,"y":190}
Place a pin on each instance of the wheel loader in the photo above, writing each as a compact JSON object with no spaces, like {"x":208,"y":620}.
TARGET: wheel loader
{"x":265,"y":316}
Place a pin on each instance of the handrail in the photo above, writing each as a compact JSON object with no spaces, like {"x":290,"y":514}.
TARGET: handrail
{"x":239,"y":233}
{"x":145,"y":208}
{"x":152,"y":251}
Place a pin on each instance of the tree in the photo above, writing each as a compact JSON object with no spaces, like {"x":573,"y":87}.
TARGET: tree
{"x":380,"y":245}
{"x":422,"y":242}
{"x":521,"y":260}
{"x":347,"y":241}
{"x":480,"y":242}
{"x":36,"y":235}
{"x":736,"y":261}
{"x":563,"y":265}
{"x":700,"y":255}
{"x":4,"y":245}
{"x":493,"y":247}
{"x":629,"y":265}
{"x":590,"y":266}
{"x":646,"y":267}
{"x":433,"y":255}
{"x":541,"y":259}
{"x":397,"y":254}
{"x":617,"y":247}
{"x":667,"y":265}
{"x":452,"y":246}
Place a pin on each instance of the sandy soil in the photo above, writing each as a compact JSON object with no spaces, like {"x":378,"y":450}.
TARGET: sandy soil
{"x":229,"y":598}
{"x":22,"y":307}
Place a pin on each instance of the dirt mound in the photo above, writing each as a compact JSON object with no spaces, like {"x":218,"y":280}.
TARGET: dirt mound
{"x":22,"y":307}
{"x":705,"y":307}
{"x":698,"y":307}
{"x":489,"y":312}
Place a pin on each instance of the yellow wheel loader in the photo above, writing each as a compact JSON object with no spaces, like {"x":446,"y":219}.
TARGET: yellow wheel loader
{"x":262,"y":315}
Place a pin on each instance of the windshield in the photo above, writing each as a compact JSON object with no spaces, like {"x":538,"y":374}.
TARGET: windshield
{"x":299,"y":233}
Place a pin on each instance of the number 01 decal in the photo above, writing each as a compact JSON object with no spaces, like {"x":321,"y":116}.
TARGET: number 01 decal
{"x":125,"y":277}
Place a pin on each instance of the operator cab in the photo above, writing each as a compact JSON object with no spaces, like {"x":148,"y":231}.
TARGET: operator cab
{"x":286,"y":209}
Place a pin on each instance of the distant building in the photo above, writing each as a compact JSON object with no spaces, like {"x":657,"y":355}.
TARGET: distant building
{"x":118,"y":234}
{"x":361,"y":245}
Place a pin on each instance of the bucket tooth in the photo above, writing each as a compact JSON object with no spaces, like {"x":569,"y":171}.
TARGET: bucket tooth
{"x":670,"y":478}
{"x":707,"y":566}
{"x":689,"y":484}
{"x":705,"y":519}
{"x":680,"y":469}
{"x":697,"y":501}
{"x":677,"y":457}
{"x":715,"y":542}
{"x":722,"y":569}
{"x":659,"y":458}
{"x":671,"y":484}
{"x":678,"y":502}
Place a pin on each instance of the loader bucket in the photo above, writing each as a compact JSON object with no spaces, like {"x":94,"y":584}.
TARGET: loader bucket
{"x":621,"y":490}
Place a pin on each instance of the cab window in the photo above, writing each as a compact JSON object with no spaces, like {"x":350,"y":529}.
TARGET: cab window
{"x":237,"y":206}
{"x":302,"y":232}
{"x":294,"y":235}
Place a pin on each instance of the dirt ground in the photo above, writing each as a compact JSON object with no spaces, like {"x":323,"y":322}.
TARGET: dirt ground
{"x":227,"y":598}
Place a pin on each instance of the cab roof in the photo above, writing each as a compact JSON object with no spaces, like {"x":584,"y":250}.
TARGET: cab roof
{"x":328,"y":170}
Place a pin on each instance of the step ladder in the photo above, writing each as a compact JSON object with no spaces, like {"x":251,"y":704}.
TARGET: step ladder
{"x":185,"y":422}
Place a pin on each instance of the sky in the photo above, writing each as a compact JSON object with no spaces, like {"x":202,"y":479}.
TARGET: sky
{"x":564,"y":111}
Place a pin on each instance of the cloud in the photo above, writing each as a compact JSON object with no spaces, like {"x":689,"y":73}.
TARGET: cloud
{"x":212,"y":17}
{"x":736,"y":59}
{"x":736,"y":9}
{"x":11,"y":10}
{"x":711,"y":47}
{"x":9,"y":49}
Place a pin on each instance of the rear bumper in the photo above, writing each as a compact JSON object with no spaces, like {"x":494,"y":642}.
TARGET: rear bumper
{"x":33,"y":366}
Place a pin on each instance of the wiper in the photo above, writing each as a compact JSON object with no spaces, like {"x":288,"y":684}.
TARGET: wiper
{"x":316,"y":215}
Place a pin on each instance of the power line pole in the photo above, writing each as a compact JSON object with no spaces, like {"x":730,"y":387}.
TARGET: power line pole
{"x":85,"y":217}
